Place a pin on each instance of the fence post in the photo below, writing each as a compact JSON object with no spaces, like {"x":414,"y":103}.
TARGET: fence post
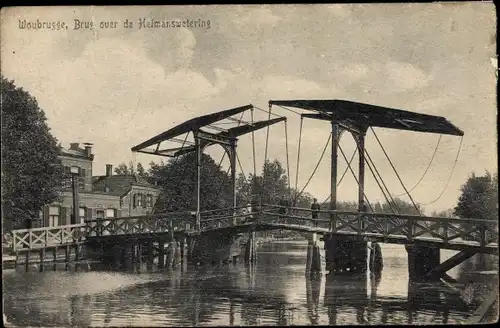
{"x":446,"y":223}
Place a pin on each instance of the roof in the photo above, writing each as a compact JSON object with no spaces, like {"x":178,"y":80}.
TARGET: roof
{"x":119,"y":184}
{"x":363,"y":116}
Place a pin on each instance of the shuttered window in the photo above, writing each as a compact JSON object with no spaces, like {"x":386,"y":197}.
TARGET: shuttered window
{"x":149,"y":200}
{"x":54,"y":216}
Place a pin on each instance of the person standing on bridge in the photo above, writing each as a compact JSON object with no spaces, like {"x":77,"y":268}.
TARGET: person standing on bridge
{"x":315,"y":208}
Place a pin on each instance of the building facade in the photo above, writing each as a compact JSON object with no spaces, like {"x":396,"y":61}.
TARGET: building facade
{"x":100,"y":197}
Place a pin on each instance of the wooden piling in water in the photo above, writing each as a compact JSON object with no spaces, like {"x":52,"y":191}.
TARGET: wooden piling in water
{"x":250,"y":249}
{"x":67,"y":257}
{"x":138,"y":249}
{"x":150,"y":254}
{"x":161,"y":255}
{"x":77,"y":253}
{"x":42,"y":259}
{"x":54,"y":258}
{"x":309,"y":257}
{"x":27,"y":261}
{"x":177,"y":256}
{"x":170,"y":254}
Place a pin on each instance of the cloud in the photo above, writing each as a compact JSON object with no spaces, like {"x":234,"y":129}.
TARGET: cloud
{"x":259,"y":17}
{"x":406,"y":77}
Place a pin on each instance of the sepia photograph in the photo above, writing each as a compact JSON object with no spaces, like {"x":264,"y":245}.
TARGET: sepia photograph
{"x":249,"y":165}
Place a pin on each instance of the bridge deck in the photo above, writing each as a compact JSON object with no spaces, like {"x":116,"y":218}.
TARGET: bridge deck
{"x":448,"y":233}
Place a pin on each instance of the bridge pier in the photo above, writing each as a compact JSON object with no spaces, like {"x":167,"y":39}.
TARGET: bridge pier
{"x":313,"y":262}
{"x":421,"y":261}
{"x":345,"y":254}
{"x":250,"y":249}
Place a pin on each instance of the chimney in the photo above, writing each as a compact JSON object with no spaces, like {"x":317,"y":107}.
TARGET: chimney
{"x":88,"y":149}
{"x":74,"y":146}
{"x":109,"y":170}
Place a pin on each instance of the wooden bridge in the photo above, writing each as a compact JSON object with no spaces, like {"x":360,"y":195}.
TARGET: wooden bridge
{"x":479,"y":236}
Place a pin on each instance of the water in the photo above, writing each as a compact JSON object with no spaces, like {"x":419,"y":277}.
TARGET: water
{"x":274,"y":292}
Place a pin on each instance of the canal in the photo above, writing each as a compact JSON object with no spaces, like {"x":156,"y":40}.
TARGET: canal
{"x":273,"y":292}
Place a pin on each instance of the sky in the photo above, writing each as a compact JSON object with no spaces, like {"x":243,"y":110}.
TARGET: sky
{"x":117,"y":87}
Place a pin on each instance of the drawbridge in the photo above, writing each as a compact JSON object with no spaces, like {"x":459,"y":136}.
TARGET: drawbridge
{"x":225,"y":127}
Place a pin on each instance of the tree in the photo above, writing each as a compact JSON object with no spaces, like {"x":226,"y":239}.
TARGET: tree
{"x":124,"y":169}
{"x":177,"y":180}
{"x":31,"y":168}
{"x":479,"y":198}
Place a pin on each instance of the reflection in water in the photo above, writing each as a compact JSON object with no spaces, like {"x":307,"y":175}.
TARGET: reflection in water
{"x":275,"y":291}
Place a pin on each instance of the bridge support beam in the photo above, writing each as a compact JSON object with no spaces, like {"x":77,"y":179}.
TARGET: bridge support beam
{"x":440,"y":270}
{"x":313,"y":262}
{"x":421,"y":261}
{"x":344,"y":255}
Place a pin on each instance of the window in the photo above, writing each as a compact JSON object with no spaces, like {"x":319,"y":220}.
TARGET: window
{"x":99,"y":214}
{"x":67,"y":180}
{"x":54,"y":212}
{"x":143,"y":200}
{"x":83,"y":214}
{"x":110,"y":213}
{"x":139,"y":200}
{"x":149,"y":200}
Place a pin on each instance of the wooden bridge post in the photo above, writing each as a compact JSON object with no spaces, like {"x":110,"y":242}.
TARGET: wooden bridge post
{"x":313,"y":262}
{"x":42,"y":258}
{"x":27,"y":261}
{"x":184,"y":252}
{"x":161,"y":254}
{"x":170,"y":254}
{"x":150,"y":254}
{"x":67,"y":257}
{"x":138,"y":252}
{"x":77,"y":256}
{"x":54,"y":258}
{"x":250,"y":249}
{"x":177,"y":256}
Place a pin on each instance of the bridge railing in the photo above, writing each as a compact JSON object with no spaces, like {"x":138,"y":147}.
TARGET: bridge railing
{"x":145,"y":224}
{"x":412,"y":227}
{"x":36,"y":238}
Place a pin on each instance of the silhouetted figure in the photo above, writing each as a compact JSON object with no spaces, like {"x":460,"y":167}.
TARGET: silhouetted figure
{"x":315,"y":209}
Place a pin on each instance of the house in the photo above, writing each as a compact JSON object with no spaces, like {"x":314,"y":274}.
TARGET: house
{"x":137,"y":196}
{"x":100,"y":197}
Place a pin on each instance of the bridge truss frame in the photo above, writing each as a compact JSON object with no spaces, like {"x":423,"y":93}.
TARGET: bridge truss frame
{"x":226,"y":138}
